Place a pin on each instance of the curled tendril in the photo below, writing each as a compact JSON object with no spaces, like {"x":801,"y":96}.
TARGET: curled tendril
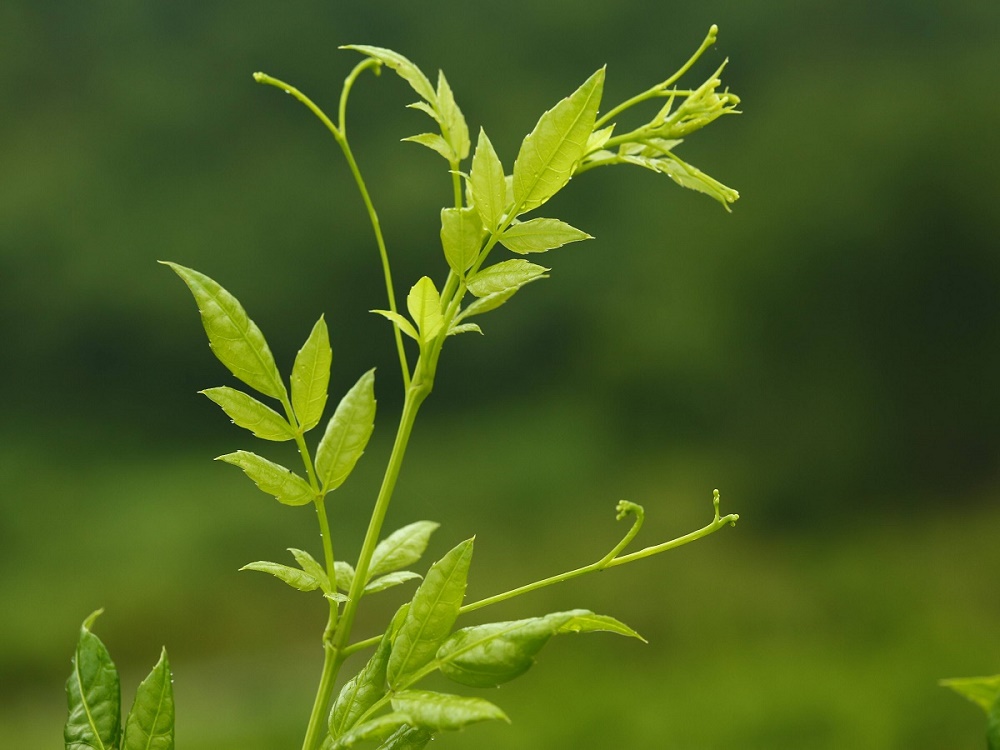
{"x":624,"y":509}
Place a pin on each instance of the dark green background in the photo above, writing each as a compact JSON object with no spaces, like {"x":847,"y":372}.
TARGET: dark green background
{"x":828,"y":356}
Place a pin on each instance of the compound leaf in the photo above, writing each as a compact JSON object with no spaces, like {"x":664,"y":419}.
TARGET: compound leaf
{"x":234,"y":338}
{"x":283,"y":485}
{"x":510,"y":274}
{"x":401,"y":548}
{"x":551,"y":151}
{"x":540,"y":235}
{"x":294,"y":577}
{"x":439,"y":712}
{"x":431,"y":615}
{"x":250,"y":414}
{"x":311,"y":377}
{"x":93,"y":693}
{"x":462,"y":235}
{"x":347,"y":433}
{"x":150,"y":722}
{"x":424,"y":304}
{"x":403,"y":67}
{"x":489,"y":190}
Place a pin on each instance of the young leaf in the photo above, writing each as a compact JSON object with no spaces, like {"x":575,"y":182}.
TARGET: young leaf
{"x":250,"y":414}
{"x":510,"y":274}
{"x":424,"y":304}
{"x":94,"y":695}
{"x":489,"y":191}
{"x":464,"y":328}
{"x":462,"y":235}
{"x":285,"y":486}
{"x":431,"y":615}
{"x":297,"y":579}
{"x":347,"y":433}
{"x":453,"y":125}
{"x":234,"y":338}
{"x":689,"y":176}
{"x":375,"y":729}
{"x":308,"y":563}
{"x":150,"y":722}
{"x":407,"y":738}
{"x":403,"y":67}
{"x":311,"y":377}
{"x":401,"y":548}
{"x":434,"y":142}
{"x":551,"y":151}
{"x":588,"y":622}
{"x":539,"y":235}
{"x":983,"y":691}
{"x":404,"y":325}
{"x":440,"y":712}
{"x":598,"y":138}
{"x":389,"y":580}
{"x":487,"y":303}
{"x":345,"y":574}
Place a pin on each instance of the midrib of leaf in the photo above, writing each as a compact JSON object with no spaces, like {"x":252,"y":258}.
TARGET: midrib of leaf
{"x":159,"y":708}
{"x":341,"y":442}
{"x":475,"y":644}
{"x":420,"y":632}
{"x":86,"y":705}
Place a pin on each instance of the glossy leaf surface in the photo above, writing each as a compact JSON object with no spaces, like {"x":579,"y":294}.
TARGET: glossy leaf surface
{"x":283,"y":485}
{"x":462,"y":235}
{"x":464,"y":328}
{"x":93,"y":693}
{"x":540,"y":235}
{"x":407,"y":738}
{"x":489,"y":190}
{"x":424,"y":304}
{"x":309,"y":564}
{"x":311,"y":377}
{"x":441,"y":712}
{"x":250,"y":414}
{"x":389,"y":580}
{"x":401,"y":548}
{"x":234,"y":338}
{"x":488,"y":303}
{"x":375,"y":729}
{"x":403,"y":67}
{"x":294,"y":577}
{"x":150,"y":722}
{"x":510,"y":274}
{"x":347,"y":433}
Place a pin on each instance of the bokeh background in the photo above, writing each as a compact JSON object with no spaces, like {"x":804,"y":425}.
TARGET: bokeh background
{"x":828,"y":355}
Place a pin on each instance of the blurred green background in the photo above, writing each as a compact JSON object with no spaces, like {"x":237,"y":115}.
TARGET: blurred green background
{"x":828,"y":355}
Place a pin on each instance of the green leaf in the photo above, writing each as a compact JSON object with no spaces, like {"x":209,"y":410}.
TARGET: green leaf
{"x":489,"y":190}
{"x":427,"y":109}
{"x":285,"y":486}
{"x":404,"y":325}
{"x":403,"y":67}
{"x":401,"y":548}
{"x":453,"y":125}
{"x":375,"y":729}
{"x":440,"y":712}
{"x":234,"y":338}
{"x":150,"y":722}
{"x":294,"y":577}
{"x":510,"y":274}
{"x":407,"y":738}
{"x":983,"y":691}
{"x":462,"y":235}
{"x":464,"y":328}
{"x":250,"y":414}
{"x":487,"y":303}
{"x":539,"y":235}
{"x":993,"y":726}
{"x":434,"y":142}
{"x":550,"y":153}
{"x":431,"y":615}
{"x":424,"y":304}
{"x":347,"y":433}
{"x":389,"y":580}
{"x":599,"y":138}
{"x":345,"y":575}
{"x":489,"y":655}
{"x":311,"y":377}
{"x":687,"y":176}
{"x":93,"y":693}
{"x":309,"y":564}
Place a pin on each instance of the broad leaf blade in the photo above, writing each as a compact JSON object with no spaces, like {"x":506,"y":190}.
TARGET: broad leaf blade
{"x":150,"y":723}
{"x":441,"y":712}
{"x":389,"y":580}
{"x":453,"y":124}
{"x":311,"y":377}
{"x":347,"y":433}
{"x":309,"y":564}
{"x":510,"y":274}
{"x":434,"y":142}
{"x":375,"y":729}
{"x":489,"y":190}
{"x":588,"y":622}
{"x":401,"y":548}
{"x":250,"y":414}
{"x":234,"y":338}
{"x":283,"y":485}
{"x":551,"y":152}
{"x":294,"y":577}
{"x":424,"y":304}
{"x":431,"y":615}
{"x":462,"y":235}
{"x":540,"y":235}
{"x":403,"y":67}
{"x":93,"y":693}
{"x":407,"y":738}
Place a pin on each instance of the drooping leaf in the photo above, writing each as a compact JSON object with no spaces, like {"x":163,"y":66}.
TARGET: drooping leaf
{"x":150,"y":722}
{"x":389,"y":580}
{"x":687,"y":176}
{"x":294,"y":577}
{"x":234,"y":338}
{"x":588,"y":622}
{"x":403,"y":67}
{"x":441,"y":712}
{"x":486,"y":304}
{"x":489,"y":190}
{"x":427,"y":109}
{"x":539,"y":235}
{"x":404,"y":325}
{"x":374,"y":729}
{"x":347,"y":433}
{"x":424,"y":304}
{"x":309,"y":564}
{"x":462,"y":235}
{"x":434,"y":142}
{"x":453,"y":125}
{"x":407,"y":738}
{"x":250,"y":414}
{"x":283,"y":485}
{"x":510,"y":274}
{"x":93,"y":693}
{"x":431,"y":615}
{"x":401,"y":548}
{"x":464,"y":328}
{"x":551,"y":151}
{"x":311,"y":377}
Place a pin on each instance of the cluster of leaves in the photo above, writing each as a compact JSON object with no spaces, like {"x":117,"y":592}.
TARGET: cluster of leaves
{"x":94,"y":694}
{"x":985,"y":693}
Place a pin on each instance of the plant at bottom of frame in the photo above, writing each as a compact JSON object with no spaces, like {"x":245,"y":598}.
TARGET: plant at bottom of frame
{"x":985,"y":693}
{"x":383,"y":703}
